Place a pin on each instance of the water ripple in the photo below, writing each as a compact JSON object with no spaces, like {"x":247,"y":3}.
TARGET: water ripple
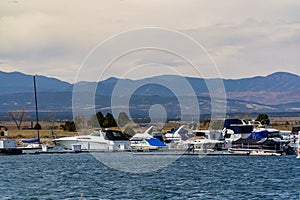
{"x":68,"y":176}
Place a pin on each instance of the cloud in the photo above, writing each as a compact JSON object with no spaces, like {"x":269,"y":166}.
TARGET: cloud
{"x":252,"y":47}
{"x":243,"y":37}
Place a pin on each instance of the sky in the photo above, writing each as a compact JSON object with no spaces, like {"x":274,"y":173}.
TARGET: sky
{"x":88,"y":40}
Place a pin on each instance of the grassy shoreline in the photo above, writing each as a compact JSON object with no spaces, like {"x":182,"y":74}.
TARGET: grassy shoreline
{"x":284,"y":123}
{"x":45,"y":135}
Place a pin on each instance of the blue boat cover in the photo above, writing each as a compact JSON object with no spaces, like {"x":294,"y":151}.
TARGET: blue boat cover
{"x":259,"y":135}
{"x":31,"y":140}
{"x":155,"y":142}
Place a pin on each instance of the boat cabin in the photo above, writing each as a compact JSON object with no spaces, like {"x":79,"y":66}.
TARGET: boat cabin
{"x":295,"y":130}
{"x":238,"y":126}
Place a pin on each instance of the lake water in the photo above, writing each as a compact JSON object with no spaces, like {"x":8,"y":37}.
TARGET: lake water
{"x":70,"y":176}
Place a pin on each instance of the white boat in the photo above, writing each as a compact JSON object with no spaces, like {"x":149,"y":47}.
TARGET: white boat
{"x":175,"y":137}
{"x":235,"y":129}
{"x":263,"y":153}
{"x":98,"y":140}
{"x":259,"y":128}
{"x":204,"y":144}
{"x":176,"y":140}
{"x":195,"y":140}
{"x":202,"y":140}
{"x":292,"y":136}
{"x":145,"y":141}
{"x":253,"y":152}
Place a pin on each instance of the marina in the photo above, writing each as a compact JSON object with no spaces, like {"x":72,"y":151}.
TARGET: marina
{"x":231,"y":141}
{"x":149,"y":100}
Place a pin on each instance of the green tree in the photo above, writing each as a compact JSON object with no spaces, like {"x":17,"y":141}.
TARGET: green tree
{"x":206,"y":122}
{"x":109,"y":121}
{"x":69,"y":126}
{"x":100,"y":118}
{"x":123,"y":119}
{"x":287,"y":123}
{"x":37,"y":126}
{"x":263,"y":118}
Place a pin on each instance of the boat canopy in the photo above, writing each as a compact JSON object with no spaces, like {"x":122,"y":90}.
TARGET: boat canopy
{"x":229,"y":122}
{"x":238,"y":126}
{"x":259,"y":135}
{"x":114,"y":135}
{"x":155,"y":142}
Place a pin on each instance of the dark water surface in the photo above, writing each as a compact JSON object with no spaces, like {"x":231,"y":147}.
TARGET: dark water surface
{"x":68,"y":176}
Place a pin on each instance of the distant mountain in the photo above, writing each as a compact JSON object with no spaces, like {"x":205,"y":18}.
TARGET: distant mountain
{"x":16,"y":82}
{"x":277,"y":88}
{"x":277,"y":82}
{"x":278,"y":92}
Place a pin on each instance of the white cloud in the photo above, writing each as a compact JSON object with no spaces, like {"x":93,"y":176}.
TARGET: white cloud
{"x":252,"y":47}
{"x":244,"y":37}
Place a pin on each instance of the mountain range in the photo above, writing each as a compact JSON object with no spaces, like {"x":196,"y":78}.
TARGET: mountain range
{"x":277,"y":92}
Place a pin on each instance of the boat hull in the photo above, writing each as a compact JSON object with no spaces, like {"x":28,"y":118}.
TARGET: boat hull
{"x":10,"y":151}
{"x":95,"y":145}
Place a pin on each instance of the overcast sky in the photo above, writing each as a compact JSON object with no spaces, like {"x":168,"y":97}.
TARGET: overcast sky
{"x":243,"y":38}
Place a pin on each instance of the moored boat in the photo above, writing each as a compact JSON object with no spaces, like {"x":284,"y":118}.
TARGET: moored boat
{"x":246,"y":136}
{"x":98,"y":140}
{"x":8,"y":147}
{"x":202,"y":141}
{"x":145,"y":141}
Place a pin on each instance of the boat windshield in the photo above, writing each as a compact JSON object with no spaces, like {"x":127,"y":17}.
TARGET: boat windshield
{"x":115,"y":135}
{"x":95,"y":133}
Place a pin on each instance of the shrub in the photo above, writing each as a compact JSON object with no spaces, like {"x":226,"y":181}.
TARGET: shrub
{"x":37,"y":126}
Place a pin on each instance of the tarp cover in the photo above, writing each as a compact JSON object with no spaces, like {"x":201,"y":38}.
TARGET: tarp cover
{"x":31,"y":140}
{"x":259,"y":135}
{"x":155,"y":142}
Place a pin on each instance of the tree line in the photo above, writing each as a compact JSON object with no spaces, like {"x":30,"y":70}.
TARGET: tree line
{"x":98,"y":120}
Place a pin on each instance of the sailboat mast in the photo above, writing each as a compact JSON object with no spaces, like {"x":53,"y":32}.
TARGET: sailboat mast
{"x":36,"y":107}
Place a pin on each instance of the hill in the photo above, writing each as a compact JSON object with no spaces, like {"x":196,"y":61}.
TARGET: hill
{"x":16,"y":82}
{"x":278,"y":92}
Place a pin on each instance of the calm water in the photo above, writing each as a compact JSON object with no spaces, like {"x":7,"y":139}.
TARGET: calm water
{"x":68,"y":176}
